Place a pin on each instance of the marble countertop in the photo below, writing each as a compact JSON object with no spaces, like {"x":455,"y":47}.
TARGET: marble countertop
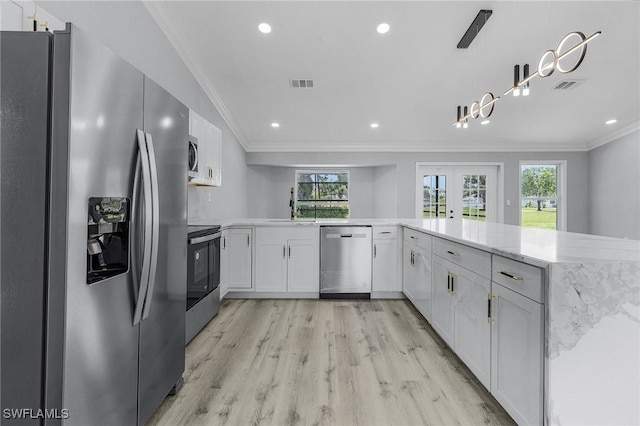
{"x":536,"y":246}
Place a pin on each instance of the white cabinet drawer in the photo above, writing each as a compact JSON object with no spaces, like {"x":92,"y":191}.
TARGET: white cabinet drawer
{"x":470,"y":258}
{"x":385,"y":232}
{"x":418,"y":238}
{"x":519,"y":277}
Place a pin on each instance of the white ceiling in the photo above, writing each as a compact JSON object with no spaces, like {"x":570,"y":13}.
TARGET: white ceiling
{"x":411,"y":79}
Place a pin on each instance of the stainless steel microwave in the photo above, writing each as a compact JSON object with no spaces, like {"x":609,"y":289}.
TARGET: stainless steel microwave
{"x":193,"y":157}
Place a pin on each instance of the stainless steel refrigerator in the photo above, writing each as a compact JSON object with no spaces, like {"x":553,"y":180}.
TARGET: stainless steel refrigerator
{"x":93,"y":233}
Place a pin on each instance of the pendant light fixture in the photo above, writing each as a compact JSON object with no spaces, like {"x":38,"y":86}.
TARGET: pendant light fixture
{"x":516,"y":80}
{"x":548,"y":63}
{"x":525,"y":86}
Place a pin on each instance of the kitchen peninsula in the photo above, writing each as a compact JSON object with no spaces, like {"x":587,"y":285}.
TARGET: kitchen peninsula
{"x":589,"y":297}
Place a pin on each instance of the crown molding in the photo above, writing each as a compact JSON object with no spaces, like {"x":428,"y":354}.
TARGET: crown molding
{"x":168,"y":26}
{"x":413,"y":147}
{"x":610,"y":137}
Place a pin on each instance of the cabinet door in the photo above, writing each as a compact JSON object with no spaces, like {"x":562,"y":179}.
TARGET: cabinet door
{"x":516,"y":355}
{"x":423,"y":288}
{"x":271,"y":262}
{"x":303,"y":273}
{"x":385,"y":265}
{"x":215,"y":155}
{"x":408,"y":272}
{"x":472,"y":330}
{"x":441,"y":305}
{"x":238,"y":258}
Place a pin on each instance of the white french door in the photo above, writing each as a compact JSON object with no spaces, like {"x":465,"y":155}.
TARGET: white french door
{"x":461,"y":192}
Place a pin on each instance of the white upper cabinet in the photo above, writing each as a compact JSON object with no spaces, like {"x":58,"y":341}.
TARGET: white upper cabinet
{"x":209,"y":150}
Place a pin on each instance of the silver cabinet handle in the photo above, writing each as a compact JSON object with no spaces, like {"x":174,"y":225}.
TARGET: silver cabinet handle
{"x":289,"y":252}
{"x":284,"y":251}
{"x":155,"y":236}
{"x":224,"y":242}
{"x":513,"y":277}
{"x":452,"y":253}
{"x":143,"y":163}
{"x":374,"y":251}
{"x":248,"y":238}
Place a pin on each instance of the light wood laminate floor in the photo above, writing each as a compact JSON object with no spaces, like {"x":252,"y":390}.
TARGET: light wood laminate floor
{"x":325,"y":362}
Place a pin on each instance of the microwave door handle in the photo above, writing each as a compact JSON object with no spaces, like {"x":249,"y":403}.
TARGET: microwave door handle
{"x":143,"y":162}
{"x":155,"y":210}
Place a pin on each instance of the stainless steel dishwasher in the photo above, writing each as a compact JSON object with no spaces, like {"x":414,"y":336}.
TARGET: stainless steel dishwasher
{"x":345,"y":261}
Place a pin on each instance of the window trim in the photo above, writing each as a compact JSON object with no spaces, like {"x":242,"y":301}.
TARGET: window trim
{"x":327,"y":170}
{"x":561,"y":186}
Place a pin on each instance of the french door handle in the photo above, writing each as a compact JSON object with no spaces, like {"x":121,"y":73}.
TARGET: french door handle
{"x":155,"y":236}
{"x":143,"y":163}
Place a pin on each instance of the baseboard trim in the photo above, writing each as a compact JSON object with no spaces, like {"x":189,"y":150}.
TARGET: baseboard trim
{"x":269,"y":295}
{"x":387,"y":295}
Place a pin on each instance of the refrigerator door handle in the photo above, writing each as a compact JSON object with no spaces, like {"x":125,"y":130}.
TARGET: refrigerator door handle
{"x":155,"y":214}
{"x":143,"y":162}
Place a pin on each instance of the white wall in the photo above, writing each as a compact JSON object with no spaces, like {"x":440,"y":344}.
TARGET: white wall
{"x":402,"y":165}
{"x":385,"y":192}
{"x":614,"y":188}
{"x":129,"y":30}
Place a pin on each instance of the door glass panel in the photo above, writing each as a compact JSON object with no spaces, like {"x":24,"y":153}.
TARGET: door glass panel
{"x":474,"y":195}
{"x":539,"y":195}
{"x":434,"y":202}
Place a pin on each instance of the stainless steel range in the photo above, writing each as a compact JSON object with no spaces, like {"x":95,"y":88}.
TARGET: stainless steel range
{"x":203,"y":277}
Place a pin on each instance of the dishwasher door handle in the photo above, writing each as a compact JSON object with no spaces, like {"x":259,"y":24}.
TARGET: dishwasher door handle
{"x":346,"y":235}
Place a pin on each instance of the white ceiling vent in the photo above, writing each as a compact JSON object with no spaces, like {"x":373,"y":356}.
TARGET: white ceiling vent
{"x":568,"y":84}
{"x":301,"y":84}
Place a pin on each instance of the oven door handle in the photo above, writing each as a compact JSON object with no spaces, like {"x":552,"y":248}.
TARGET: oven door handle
{"x":155,"y":220}
{"x":205,"y":238}
{"x":143,"y":163}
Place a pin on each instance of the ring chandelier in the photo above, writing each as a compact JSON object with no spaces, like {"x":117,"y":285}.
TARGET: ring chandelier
{"x":548,"y":63}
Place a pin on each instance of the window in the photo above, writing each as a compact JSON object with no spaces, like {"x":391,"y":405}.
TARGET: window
{"x":542,"y":194}
{"x":322,"y":194}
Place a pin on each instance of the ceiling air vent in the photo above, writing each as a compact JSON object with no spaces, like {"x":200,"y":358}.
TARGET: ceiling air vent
{"x":568,"y":84}
{"x":301,"y":84}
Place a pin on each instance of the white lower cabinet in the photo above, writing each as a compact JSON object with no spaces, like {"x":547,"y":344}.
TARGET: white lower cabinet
{"x":460,"y":300}
{"x":517,"y":354}
{"x":408,"y":272}
{"x":416,"y":267}
{"x":442,"y":305}
{"x":235,"y":260}
{"x":385,"y":259}
{"x":287,"y":260}
{"x":471,"y":326}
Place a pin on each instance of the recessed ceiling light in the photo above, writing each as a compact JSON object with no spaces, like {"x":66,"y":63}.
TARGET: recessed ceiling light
{"x":383,"y":28}
{"x":264,"y":28}
{"x":485,"y":122}
{"x":612,"y":121}
{"x":373,"y":125}
{"x":275,"y":125}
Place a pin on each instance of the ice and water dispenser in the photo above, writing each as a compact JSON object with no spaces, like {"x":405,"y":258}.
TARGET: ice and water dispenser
{"x":108,"y":238}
